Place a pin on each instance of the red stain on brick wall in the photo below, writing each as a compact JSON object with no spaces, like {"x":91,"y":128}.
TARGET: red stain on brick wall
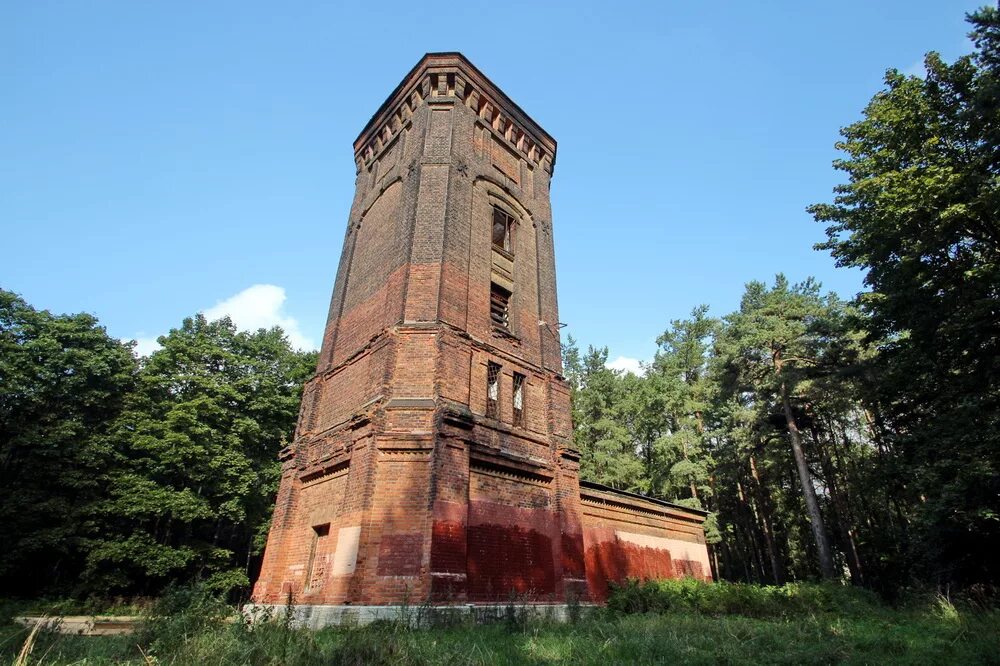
{"x":690,"y":568}
{"x":614,"y":561}
{"x":573,"y":562}
{"x":448,"y":553}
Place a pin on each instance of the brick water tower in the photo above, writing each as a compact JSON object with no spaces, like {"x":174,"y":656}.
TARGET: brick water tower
{"x":433,"y":459}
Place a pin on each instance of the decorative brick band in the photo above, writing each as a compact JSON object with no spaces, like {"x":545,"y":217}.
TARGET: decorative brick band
{"x":326,"y":472}
{"x":636,"y":509}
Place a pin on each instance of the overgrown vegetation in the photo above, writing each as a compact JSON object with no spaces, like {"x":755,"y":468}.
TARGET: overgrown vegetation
{"x":673,"y":622}
{"x":762,"y":601}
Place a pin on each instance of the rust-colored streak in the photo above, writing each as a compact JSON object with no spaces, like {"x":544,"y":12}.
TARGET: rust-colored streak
{"x":690,"y":568}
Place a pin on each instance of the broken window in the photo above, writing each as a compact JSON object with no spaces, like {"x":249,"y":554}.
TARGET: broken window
{"x":314,"y":573}
{"x":503,"y":230}
{"x":493,"y":390}
{"x":518,"y":395}
{"x":499,"y":306}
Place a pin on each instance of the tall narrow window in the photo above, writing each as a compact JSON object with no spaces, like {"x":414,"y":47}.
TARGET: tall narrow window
{"x":518,"y":395}
{"x":499,"y":306}
{"x":503,"y":231}
{"x":493,"y":390}
{"x":314,"y":574}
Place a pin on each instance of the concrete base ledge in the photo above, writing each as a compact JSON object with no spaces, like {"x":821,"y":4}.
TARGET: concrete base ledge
{"x":319,"y":616}
{"x":82,"y":625}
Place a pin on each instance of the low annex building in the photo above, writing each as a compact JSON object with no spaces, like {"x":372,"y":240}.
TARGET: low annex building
{"x":433,"y":459}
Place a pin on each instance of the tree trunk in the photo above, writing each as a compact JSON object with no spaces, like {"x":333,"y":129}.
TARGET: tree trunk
{"x":805,"y":480}
{"x":768,"y":525}
{"x":751,"y":527}
{"x":684,"y":451}
{"x":841,"y":513}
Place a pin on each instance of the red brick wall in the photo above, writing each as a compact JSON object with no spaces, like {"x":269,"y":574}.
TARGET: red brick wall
{"x":628,"y":537}
{"x":512,"y":538}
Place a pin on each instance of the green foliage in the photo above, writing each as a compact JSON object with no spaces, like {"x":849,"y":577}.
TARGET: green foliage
{"x":194,"y":463}
{"x":919,"y":215}
{"x":116,"y":476}
{"x":786,"y":601}
{"x":179,"y":616}
{"x":63,"y":381}
{"x":605,"y":416}
{"x":646,"y":434}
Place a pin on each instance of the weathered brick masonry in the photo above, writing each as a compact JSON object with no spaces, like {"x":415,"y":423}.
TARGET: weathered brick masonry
{"x":433,"y":458}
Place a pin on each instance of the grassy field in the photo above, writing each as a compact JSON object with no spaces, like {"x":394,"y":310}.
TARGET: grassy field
{"x":690,"y":624}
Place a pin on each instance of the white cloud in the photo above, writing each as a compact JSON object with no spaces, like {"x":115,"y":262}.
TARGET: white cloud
{"x":261,"y":306}
{"x":145,"y":346}
{"x":626,"y":364}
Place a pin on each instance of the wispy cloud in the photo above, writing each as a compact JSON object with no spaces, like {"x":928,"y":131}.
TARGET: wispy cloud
{"x":261,"y":306}
{"x":144,"y":346}
{"x":626,"y":364}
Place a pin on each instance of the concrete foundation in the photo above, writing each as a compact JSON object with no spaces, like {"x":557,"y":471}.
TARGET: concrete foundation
{"x":327,"y":615}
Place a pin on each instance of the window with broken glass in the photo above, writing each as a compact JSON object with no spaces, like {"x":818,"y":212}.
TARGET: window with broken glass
{"x":493,"y":390}
{"x":518,"y":399}
{"x":503,"y":230}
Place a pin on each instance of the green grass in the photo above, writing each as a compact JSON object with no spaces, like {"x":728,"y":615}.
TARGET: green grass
{"x":790,"y":625}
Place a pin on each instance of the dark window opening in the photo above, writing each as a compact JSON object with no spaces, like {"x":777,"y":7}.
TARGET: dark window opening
{"x":518,"y":395}
{"x":314,"y":575}
{"x":499,"y":306}
{"x":492,"y":390}
{"x":503,"y":231}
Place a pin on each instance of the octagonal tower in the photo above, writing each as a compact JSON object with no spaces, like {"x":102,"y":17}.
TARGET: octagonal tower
{"x":433,"y":458}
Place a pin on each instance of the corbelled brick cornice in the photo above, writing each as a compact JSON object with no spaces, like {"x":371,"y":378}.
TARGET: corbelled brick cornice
{"x":439,"y":76}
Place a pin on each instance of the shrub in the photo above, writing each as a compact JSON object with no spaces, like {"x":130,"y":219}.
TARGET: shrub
{"x":179,"y":615}
{"x":692,"y":596}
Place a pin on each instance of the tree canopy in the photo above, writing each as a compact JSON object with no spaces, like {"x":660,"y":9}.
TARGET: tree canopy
{"x":125,"y":475}
{"x":920,"y":214}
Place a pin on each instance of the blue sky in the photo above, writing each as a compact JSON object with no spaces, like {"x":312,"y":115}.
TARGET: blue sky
{"x":165,"y":158}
